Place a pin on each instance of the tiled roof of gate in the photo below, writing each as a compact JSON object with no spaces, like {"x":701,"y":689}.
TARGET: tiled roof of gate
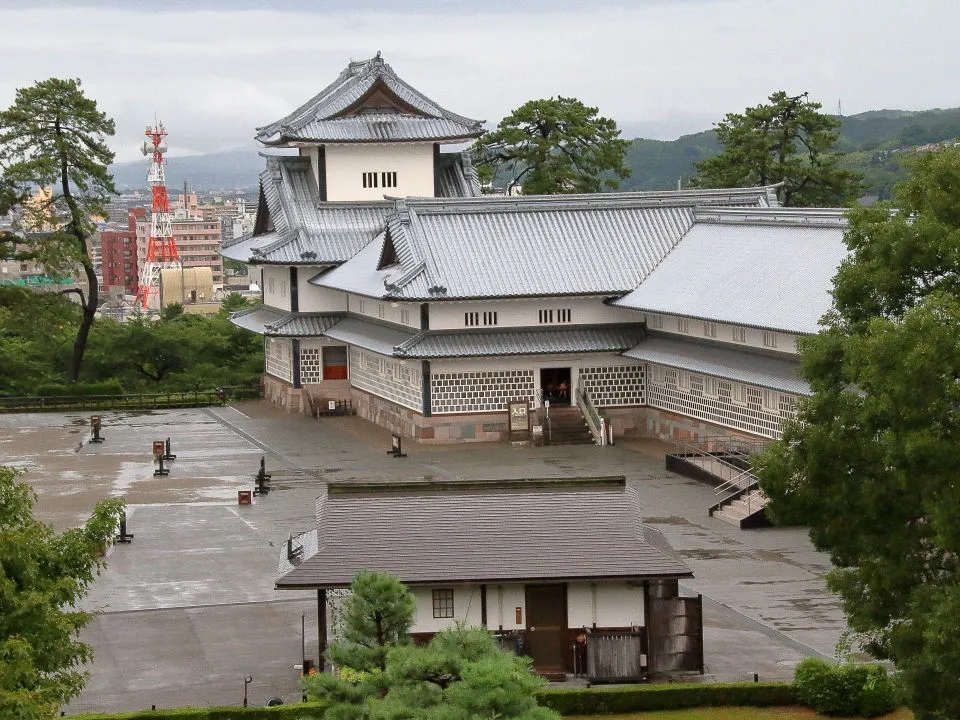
{"x":530,"y":246}
{"x":481,"y":343}
{"x":770,"y":269}
{"x":278,"y":323}
{"x":711,"y":359}
{"x":323,"y":118}
{"x":371,"y":336}
{"x":562,"y":529}
{"x":257,"y":318}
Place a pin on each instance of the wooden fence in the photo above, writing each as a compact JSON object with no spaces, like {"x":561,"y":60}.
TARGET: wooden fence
{"x":130,"y":401}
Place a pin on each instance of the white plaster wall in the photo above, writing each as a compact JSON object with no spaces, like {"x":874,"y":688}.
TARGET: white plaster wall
{"x":506,"y":598}
{"x":276,"y":287}
{"x":406,"y":314}
{"x":313,"y":153}
{"x":466,"y":608}
{"x":526,"y":313}
{"x":753,"y":337}
{"x":318,"y":299}
{"x":346,"y":163}
{"x":614,"y":604}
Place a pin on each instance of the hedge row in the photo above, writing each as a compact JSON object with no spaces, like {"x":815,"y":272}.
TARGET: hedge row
{"x":641,"y":698}
{"x":296,"y":711}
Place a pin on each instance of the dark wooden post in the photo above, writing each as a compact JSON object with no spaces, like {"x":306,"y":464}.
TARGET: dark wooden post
{"x":321,"y":629}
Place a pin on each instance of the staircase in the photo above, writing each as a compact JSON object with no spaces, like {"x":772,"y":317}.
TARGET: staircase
{"x":725,"y":464}
{"x":567,"y":427}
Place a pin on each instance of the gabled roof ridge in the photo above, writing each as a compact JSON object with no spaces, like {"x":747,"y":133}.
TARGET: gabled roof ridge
{"x":819,"y":217}
{"x":582,"y":201}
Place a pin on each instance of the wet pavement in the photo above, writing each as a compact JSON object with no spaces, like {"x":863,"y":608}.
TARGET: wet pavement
{"x":188,"y":608}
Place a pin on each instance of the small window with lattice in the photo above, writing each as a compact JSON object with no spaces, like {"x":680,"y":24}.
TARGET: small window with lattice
{"x":443,"y":603}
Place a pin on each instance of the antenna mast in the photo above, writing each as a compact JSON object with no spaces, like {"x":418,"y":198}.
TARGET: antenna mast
{"x":161,"y":249}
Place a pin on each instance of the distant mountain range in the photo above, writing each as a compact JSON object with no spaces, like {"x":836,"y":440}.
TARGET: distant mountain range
{"x":876,"y":143}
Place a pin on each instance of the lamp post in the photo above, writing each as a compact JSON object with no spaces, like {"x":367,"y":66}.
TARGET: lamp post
{"x":246,"y":681}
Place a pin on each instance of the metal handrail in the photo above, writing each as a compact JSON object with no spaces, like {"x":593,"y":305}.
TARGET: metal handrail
{"x":591,"y":415}
{"x":735,"y":482}
{"x":699,"y":452}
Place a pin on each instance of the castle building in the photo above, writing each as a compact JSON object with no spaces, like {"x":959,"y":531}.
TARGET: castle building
{"x":389,"y":281}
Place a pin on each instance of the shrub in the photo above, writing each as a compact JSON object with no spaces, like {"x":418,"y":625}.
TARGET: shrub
{"x":846,"y":690}
{"x":106,"y":387}
{"x":640,"y":698}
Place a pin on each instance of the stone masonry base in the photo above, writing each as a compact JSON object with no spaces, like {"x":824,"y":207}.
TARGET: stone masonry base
{"x":637,"y":422}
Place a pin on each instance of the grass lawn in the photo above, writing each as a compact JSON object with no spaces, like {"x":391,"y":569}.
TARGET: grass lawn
{"x":735,"y":713}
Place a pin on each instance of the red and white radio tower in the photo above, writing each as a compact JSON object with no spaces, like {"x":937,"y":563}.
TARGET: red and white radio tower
{"x":161,"y":249}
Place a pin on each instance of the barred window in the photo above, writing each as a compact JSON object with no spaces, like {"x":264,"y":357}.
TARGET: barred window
{"x":443,"y":603}
{"x":683,"y":325}
{"x":709,"y":329}
{"x":739,"y":334}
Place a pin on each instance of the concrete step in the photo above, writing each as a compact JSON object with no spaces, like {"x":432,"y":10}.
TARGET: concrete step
{"x":742,"y":508}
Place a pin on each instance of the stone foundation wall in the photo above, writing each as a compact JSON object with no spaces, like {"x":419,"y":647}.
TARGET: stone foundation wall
{"x":669,"y":426}
{"x":434,"y":430}
{"x":282,"y":394}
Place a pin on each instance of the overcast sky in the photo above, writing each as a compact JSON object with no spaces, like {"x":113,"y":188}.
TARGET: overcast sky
{"x":215,"y":70}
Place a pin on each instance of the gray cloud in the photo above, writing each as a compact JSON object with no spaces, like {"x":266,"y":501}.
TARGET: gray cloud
{"x":213,"y":71}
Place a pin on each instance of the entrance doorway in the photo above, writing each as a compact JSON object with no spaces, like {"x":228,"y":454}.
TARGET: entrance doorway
{"x":555,"y":385}
{"x":546,"y":622}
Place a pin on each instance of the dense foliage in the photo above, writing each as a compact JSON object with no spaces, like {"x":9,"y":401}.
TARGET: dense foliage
{"x":871,"y":465}
{"x":552,"y":146}
{"x":42,"y":576}
{"x":878,"y":145}
{"x":845,"y":689}
{"x":785,"y":142}
{"x":54,"y":136}
{"x":177,"y":352}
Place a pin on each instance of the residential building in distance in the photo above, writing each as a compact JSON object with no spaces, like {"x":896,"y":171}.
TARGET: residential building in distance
{"x":198,"y":244}
{"x":120,"y":256}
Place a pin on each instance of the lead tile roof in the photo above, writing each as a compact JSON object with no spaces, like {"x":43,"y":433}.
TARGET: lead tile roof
{"x":485,"y":343}
{"x":770,"y":269}
{"x":776,"y":373}
{"x":325,"y":118}
{"x":563,"y":532}
{"x":492,"y":247}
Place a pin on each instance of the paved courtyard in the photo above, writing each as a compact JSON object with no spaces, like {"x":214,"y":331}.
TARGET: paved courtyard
{"x":188,"y":608}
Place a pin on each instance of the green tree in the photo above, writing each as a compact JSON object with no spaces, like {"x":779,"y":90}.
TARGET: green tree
{"x":787,"y":141}
{"x":871,"y":465}
{"x":552,"y":146}
{"x":43,"y":575}
{"x":53,"y":135}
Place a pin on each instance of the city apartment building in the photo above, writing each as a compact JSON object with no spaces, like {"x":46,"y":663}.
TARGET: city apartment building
{"x":198,"y":243}
{"x":119,"y":256}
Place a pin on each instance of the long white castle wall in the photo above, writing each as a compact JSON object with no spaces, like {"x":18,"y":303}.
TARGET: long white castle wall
{"x":738,"y":335}
{"x":455,"y":315}
{"x":400,"y":313}
{"x":755,"y":410}
{"x":604,"y":604}
{"x":318,"y":299}
{"x":346,"y":163}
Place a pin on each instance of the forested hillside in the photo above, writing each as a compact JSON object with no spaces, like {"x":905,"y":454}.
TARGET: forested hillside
{"x":878,"y":144}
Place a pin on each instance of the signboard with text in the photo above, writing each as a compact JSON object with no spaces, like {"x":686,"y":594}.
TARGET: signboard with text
{"x":519,"y":419}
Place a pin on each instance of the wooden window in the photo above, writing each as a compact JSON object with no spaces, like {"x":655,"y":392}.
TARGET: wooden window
{"x":335,"y":362}
{"x":490,"y":317}
{"x":564,"y":315}
{"x":471,"y":319}
{"x":670,"y":378}
{"x":370,"y":179}
{"x":788,"y":406}
{"x":769,"y":339}
{"x":709,"y":329}
{"x":683,"y":325}
{"x":739,"y":334}
{"x":546,"y":316}
{"x":443,"y":603}
{"x":389,"y":179}
{"x":405,"y":317}
{"x":725,"y":392}
{"x":696,"y":385}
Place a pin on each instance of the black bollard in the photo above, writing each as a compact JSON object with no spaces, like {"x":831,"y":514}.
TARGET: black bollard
{"x":123,"y":536}
{"x":95,"y":429}
{"x":396,"y":446}
{"x":262,"y":478}
{"x":158,"y":451}
{"x":167,"y":455}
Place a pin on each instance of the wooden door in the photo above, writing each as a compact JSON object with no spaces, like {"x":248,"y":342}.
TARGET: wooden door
{"x":546,"y":623}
